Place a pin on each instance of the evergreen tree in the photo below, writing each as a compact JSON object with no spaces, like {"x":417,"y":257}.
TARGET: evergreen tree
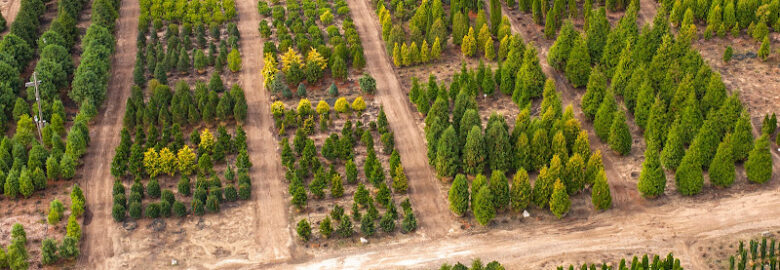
{"x":520,"y":194}
{"x":326,"y":228}
{"x":559,"y":200}
{"x":688,"y":176}
{"x":499,"y":188}
{"x":345,"y":227}
{"x":484,"y":211}
{"x":742,"y":139}
{"x":531,"y":77}
{"x":474,"y":152}
{"x":459,"y":195}
{"x":447,"y":153}
{"x":499,"y":150}
{"x":594,"y":166}
{"x":619,"y":136}
{"x":600,"y":195}
{"x":722,"y":170}
{"x":578,"y":64}
{"x":765,"y":49}
{"x":596,"y":34}
{"x":561,"y":49}
{"x":594,"y":95}
{"x":304,"y":230}
{"x":575,"y":174}
{"x":605,"y":115}
{"x":759,"y":163}
{"x":652,"y":179}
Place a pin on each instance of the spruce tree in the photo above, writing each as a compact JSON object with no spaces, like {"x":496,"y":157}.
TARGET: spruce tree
{"x":520,"y":194}
{"x":559,"y":200}
{"x":722,"y":170}
{"x":688,"y":177}
{"x":484,"y":211}
{"x":619,"y":136}
{"x":600,"y":195}
{"x":459,"y":195}
{"x":759,"y":163}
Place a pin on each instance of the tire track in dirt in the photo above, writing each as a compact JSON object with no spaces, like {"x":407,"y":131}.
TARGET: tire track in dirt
{"x":432,"y":209}
{"x":272,"y":225}
{"x":99,"y":228}
{"x":624,"y":193}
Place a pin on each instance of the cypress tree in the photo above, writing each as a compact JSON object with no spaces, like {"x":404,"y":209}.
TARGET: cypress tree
{"x":742,"y":139}
{"x":594,"y":166}
{"x":543,"y":188}
{"x":520,"y":194}
{"x":759,"y":163}
{"x":688,"y":177}
{"x":706,"y":142}
{"x":499,"y":188}
{"x":582,"y":145}
{"x":765,"y":50}
{"x":474,"y":152}
{"x":604,"y":116}
{"x":715,"y":95}
{"x":540,"y":149}
{"x":575,"y":174}
{"x":495,"y":15}
{"x":722,"y":170}
{"x":652,"y":180}
{"x":644,"y":101}
{"x":596,"y":34}
{"x":459,"y":195}
{"x":476,"y":184}
{"x":531,"y":77}
{"x":561,"y":49}
{"x":499,"y":149}
{"x":559,"y":201}
{"x":594,"y":95}
{"x":447,"y":153}
{"x":674,"y":149}
{"x":484,"y":211}
{"x":619,"y":136}
{"x":578,"y":64}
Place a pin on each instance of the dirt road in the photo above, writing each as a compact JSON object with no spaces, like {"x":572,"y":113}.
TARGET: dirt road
{"x":432,"y":209}
{"x":96,"y":181}
{"x":271,"y":227}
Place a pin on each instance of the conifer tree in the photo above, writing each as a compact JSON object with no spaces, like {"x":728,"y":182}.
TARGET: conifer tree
{"x":600,"y":195}
{"x":561,"y":49}
{"x":476,"y":184}
{"x":596,"y":34}
{"x":484,"y":211}
{"x":183,"y":64}
{"x":531,"y":77}
{"x":397,"y":55}
{"x":447,"y":153}
{"x":765,"y":49}
{"x":604,"y":116}
{"x":575,"y":174}
{"x":619,"y":136}
{"x":759,"y":163}
{"x":459,"y":195}
{"x":594,"y":166}
{"x":578,"y":64}
{"x":688,"y":177}
{"x":495,"y":15}
{"x":742,"y":139}
{"x":715,"y":95}
{"x":594,"y":95}
{"x":474,"y":152}
{"x":304,"y":230}
{"x":559,"y":200}
{"x":722,"y":170}
{"x":652,"y":180}
{"x":520,"y":194}
{"x":582,"y":145}
{"x":499,"y":188}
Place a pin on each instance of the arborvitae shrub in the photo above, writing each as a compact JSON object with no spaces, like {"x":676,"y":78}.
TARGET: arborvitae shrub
{"x":652,"y":179}
{"x":688,"y":176}
{"x":722,"y":171}
{"x":459,"y":195}
{"x":601,"y":196}
{"x":520,"y":194}
{"x":619,"y":135}
{"x":759,"y":164}
{"x":559,"y":201}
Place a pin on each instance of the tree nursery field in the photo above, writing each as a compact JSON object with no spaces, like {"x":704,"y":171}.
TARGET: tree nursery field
{"x":389,"y":134}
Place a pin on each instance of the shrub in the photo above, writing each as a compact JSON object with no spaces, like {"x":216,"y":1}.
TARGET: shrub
{"x":367,"y":226}
{"x":135,"y":210}
{"x":234,"y":60}
{"x":484,"y":210}
{"x":367,"y":84}
{"x":600,"y":196}
{"x":688,"y":176}
{"x":619,"y":135}
{"x":152,"y":210}
{"x":326,"y":229}
{"x":55,"y":212}
{"x":48,"y":251}
{"x":409,"y":223}
{"x":179,"y":209}
{"x":722,"y":170}
{"x":358,"y":105}
{"x":727,"y":54}
{"x":652,"y":179}
{"x":559,"y":201}
{"x":520,"y":194}
{"x":118,"y":212}
{"x":304,"y":230}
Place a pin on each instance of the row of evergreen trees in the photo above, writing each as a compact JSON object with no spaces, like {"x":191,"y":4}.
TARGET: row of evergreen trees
{"x":657,"y":263}
{"x":304,"y":52}
{"x":681,"y":105}
{"x":53,"y":251}
{"x":204,"y":12}
{"x":756,"y":254}
{"x":427,"y":24}
{"x":367,"y":220}
{"x":730,"y":16}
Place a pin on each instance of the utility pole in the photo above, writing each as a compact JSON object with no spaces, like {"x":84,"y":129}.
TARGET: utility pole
{"x":39,"y":118}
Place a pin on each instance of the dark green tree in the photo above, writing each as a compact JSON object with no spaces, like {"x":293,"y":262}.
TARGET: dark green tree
{"x":759,"y":163}
{"x":459,"y":195}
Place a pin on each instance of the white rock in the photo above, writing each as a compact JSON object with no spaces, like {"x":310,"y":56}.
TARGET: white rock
{"x":526,"y":214}
{"x":174,"y":262}
{"x":363,"y":240}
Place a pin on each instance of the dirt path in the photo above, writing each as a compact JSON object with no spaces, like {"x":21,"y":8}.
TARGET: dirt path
{"x":271,"y":228}
{"x":685,"y":228}
{"x":432,"y":209}
{"x":96,"y":246}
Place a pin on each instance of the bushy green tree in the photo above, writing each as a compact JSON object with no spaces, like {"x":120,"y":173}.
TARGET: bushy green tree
{"x":484,"y":211}
{"x":652,"y":179}
{"x":459,"y":195}
{"x":304,"y":230}
{"x":578,"y":64}
{"x":759,"y":163}
{"x":474,"y":152}
{"x":619,"y":135}
{"x":742,"y":139}
{"x":600,"y":195}
{"x":722,"y":170}
{"x":447,"y":153}
{"x":520,"y":194}
{"x":559,"y":200}
{"x":594,"y":95}
{"x":688,"y":176}
{"x":604,"y":116}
